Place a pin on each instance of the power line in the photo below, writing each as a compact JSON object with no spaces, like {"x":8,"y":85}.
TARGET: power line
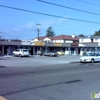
{"x":89,"y":3}
{"x":69,"y":7}
{"x":48,"y":14}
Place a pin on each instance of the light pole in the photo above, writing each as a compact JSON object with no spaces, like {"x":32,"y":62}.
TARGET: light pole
{"x":38,"y":26}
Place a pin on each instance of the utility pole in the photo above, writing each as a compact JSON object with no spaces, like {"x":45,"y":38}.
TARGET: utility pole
{"x":0,"y":34}
{"x":38,"y":26}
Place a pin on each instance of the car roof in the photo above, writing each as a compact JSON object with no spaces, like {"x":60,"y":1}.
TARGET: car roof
{"x":22,"y":49}
{"x":93,"y":52}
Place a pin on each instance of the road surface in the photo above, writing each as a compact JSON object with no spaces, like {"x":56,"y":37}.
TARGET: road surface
{"x":74,"y":81}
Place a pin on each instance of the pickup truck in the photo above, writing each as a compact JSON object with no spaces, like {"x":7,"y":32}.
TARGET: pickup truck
{"x":51,"y":54}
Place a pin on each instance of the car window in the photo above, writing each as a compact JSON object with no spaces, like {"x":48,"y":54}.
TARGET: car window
{"x":93,"y":54}
{"x":90,"y":54}
{"x":25,"y":50}
{"x":17,"y":50}
{"x":98,"y":54}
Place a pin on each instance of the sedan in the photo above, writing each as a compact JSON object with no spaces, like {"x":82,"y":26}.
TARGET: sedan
{"x":51,"y":54}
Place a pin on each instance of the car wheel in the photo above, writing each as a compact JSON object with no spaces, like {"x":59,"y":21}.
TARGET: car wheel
{"x":19,"y":55}
{"x":13,"y":55}
{"x":92,"y":60}
{"x":50,"y":55}
{"x":80,"y":61}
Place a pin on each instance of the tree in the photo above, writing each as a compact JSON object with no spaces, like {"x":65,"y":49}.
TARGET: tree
{"x":50,"y":32}
{"x":81,"y":35}
{"x":97,"y":33}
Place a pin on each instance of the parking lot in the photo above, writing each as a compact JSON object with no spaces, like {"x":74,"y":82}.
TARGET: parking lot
{"x":35,"y":61}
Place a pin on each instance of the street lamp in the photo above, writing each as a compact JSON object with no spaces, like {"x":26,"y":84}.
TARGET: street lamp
{"x":38,"y":26}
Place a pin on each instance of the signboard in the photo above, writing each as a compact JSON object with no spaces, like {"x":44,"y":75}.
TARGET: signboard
{"x":39,"y":43}
{"x":74,"y":44}
{"x":25,"y":42}
{"x":57,"y":44}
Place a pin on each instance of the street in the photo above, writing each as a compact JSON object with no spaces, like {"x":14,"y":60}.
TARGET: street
{"x":73,"y":81}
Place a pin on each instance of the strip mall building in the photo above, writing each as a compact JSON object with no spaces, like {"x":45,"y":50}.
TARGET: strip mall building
{"x":71,"y":45}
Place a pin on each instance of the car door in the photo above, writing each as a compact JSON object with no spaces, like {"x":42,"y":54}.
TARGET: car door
{"x":17,"y":52}
{"x":98,"y":56}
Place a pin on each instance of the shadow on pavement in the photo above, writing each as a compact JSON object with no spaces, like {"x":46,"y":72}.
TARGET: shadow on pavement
{"x":2,"y":66}
{"x":39,"y":87}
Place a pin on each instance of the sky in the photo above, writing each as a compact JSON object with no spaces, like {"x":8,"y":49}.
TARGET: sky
{"x":17,"y":24}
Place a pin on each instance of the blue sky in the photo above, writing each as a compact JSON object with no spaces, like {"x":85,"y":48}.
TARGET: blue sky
{"x":15,"y":24}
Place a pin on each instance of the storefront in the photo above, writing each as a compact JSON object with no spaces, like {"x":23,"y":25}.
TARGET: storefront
{"x":7,"y":47}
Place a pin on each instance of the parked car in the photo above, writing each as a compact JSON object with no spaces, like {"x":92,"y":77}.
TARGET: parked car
{"x":90,"y":57}
{"x":40,"y":53}
{"x":61,"y":53}
{"x":21,"y":52}
{"x":51,"y":54}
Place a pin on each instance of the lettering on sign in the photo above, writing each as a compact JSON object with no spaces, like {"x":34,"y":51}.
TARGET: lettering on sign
{"x":39,"y":43}
{"x":25,"y":42}
{"x":57,"y":44}
{"x":74,"y":44}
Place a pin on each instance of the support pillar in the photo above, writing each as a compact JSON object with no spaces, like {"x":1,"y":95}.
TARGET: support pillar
{"x":76,"y":51}
{"x":46,"y":49}
{"x":2,"y":50}
{"x":34,"y":51}
{"x":81,"y":51}
{"x":69,"y":50}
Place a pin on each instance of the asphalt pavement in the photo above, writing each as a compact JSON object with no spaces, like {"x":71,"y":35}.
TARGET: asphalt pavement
{"x":36,"y":60}
{"x":73,"y":81}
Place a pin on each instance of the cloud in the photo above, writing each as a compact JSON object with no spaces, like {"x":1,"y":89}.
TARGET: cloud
{"x":29,"y":30}
{"x":28,"y":27}
{"x":22,"y":32}
{"x":61,"y":20}
{"x":47,"y":23}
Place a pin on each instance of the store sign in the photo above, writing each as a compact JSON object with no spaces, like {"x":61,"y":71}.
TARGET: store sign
{"x":74,"y":44}
{"x":39,"y":43}
{"x":57,"y":44}
{"x":25,"y":42}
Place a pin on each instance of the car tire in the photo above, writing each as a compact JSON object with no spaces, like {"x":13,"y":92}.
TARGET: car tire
{"x":50,"y":55}
{"x":56,"y":55}
{"x":13,"y":55}
{"x":19,"y":55}
{"x":92,"y":60}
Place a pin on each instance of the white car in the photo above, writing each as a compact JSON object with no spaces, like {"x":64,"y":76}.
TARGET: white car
{"x":21,"y":52}
{"x":51,"y":54}
{"x":90,"y":57}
